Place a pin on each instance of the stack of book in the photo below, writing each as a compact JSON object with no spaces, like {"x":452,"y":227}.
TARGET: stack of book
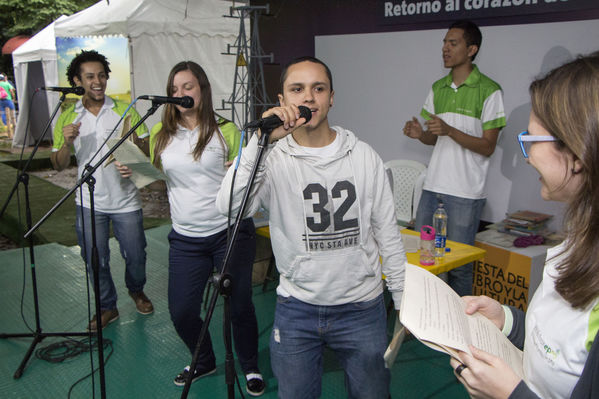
{"x":525,"y":223}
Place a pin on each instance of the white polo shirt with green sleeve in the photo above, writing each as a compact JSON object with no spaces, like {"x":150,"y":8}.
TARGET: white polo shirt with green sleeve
{"x":193,"y":184}
{"x":476,"y":105}
{"x":112,"y":193}
{"x":558,"y":336}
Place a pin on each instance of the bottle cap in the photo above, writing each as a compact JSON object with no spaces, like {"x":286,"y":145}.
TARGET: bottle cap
{"x":427,"y":233}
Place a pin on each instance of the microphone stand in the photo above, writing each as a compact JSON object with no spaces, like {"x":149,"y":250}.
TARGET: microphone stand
{"x":222,"y":284}
{"x":90,"y":180}
{"x":38,"y":335}
{"x":37,"y":144}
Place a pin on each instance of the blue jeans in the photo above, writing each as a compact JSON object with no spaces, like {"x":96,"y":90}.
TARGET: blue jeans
{"x":192,"y":261}
{"x":129,"y":232}
{"x":356,"y":332}
{"x":6,"y":103}
{"x":463,"y":218}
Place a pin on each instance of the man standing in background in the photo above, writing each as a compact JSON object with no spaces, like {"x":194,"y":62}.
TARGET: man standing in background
{"x":464,"y":114}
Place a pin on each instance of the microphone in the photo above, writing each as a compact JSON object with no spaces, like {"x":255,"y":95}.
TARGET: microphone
{"x":185,"y":102}
{"x":272,"y":122}
{"x":66,"y":90}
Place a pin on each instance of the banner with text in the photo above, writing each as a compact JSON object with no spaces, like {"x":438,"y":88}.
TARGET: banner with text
{"x":390,"y":12}
{"x":503,"y":275}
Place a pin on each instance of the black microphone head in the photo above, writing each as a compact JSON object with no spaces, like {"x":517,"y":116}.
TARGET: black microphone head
{"x":79,"y":90}
{"x":186,"y":102}
{"x":305,"y":113}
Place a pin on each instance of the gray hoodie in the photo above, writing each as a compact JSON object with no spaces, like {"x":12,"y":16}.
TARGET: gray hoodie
{"x":331,"y":218}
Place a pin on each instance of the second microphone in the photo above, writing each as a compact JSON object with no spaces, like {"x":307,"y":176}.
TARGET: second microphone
{"x":185,"y":102}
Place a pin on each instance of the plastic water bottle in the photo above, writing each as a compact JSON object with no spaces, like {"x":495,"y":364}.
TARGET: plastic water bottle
{"x":440,"y":226}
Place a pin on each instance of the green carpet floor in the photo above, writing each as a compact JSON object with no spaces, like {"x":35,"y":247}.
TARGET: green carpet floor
{"x":43,"y":195}
{"x":146,"y":352}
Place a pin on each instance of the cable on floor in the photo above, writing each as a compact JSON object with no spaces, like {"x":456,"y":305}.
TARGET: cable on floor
{"x":63,"y":350}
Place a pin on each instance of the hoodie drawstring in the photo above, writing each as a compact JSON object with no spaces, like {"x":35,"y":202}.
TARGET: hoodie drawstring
{"x":300,"y":179}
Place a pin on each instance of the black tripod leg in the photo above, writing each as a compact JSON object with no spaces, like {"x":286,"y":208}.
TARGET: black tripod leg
{"x":229,"y":360}
{"x":38,"y":335}
{"x":37,"y":338}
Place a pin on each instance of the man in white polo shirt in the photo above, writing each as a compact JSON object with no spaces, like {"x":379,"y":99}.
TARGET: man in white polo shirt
{"x":85,"y":126}
{"x":464,"y":114}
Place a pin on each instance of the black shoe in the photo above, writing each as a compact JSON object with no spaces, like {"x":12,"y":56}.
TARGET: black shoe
{"x":181,"y":378}
{"x":255,"y":384}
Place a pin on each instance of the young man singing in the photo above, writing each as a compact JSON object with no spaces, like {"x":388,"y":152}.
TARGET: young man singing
{"x":331,"y":217}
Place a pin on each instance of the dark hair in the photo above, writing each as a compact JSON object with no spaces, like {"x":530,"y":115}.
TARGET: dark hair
{"x":171,"y":115}
{"x":74,"y":68}
{"x":472,"y":34}
{"x":302,"y":59}
{"x":566,"y":104}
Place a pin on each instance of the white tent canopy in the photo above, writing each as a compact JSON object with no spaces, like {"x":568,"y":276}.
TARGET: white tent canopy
{"x":41,"y":48}
{"x":150,"y":17}
{"x":160,"y":34}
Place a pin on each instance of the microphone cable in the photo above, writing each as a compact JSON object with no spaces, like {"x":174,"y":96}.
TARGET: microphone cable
{"x":19,"y":215}
{"x":89,"y":343}
{"x":230,"y":210}
{"x":111,"y":133}
{"x":60,"y":351}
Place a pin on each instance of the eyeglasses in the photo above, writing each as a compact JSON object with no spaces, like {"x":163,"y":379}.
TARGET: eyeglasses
{"x":525,"y":137}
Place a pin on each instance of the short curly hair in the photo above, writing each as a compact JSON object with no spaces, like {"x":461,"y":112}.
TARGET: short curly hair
{"x":74,"y":68}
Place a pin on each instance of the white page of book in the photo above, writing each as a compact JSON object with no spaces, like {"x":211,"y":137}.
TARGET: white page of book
{"x":436,"y":315}
{"x":143,"y":172}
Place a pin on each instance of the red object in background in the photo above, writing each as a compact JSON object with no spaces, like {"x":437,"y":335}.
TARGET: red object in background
{"x":527,"y":241}
{"x":13,"y":43}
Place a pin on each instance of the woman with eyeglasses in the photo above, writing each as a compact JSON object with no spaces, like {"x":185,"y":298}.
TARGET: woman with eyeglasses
{"x":558,"y":332}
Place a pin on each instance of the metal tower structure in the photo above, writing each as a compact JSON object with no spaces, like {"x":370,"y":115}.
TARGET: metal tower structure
{"x":249,"y":97}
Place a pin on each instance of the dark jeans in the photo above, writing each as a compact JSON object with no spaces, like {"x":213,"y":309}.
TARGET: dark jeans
{"x":192,"y":261}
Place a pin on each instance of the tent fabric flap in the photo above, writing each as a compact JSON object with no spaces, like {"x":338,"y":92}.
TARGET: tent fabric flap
{"x":41,"y":48}
{"x":161,"y":33}
{"x":134,"y":18}
{"x":14,"y":43}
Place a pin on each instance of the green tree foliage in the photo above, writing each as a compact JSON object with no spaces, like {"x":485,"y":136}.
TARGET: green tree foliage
{"x":27,"y":17}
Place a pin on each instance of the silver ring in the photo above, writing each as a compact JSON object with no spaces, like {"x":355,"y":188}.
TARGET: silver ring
{"x":459,"y":369}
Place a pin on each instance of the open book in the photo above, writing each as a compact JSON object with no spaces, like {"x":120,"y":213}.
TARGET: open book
{"x":143,"y":172}
{"x":436,"y":315}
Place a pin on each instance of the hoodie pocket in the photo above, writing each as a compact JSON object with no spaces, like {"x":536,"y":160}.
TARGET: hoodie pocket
{"x":341,"y":270}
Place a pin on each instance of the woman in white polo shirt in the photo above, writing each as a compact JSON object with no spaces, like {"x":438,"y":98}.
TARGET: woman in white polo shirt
{"x":194,"y":148}
{"x":559,"y":333}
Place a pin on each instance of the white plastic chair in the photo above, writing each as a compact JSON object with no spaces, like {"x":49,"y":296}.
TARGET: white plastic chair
{"x":407,"y":178}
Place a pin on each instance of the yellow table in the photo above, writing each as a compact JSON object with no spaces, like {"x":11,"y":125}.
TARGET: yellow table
{"x":459,"y":255}
{"x":263,"y":231}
